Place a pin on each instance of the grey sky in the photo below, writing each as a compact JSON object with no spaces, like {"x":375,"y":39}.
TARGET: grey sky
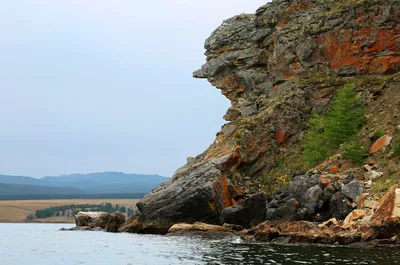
{"x":95,"y":85}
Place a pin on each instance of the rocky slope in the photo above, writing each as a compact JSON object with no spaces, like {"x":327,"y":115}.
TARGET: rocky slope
{"x":278,"y":67}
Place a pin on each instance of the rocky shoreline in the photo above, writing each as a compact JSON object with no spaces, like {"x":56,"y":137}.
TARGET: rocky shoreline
{"x":279,"y":68}
{"x":378,"y":227}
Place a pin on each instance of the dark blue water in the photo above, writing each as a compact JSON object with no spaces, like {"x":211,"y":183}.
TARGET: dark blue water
{"x":43,"y":244}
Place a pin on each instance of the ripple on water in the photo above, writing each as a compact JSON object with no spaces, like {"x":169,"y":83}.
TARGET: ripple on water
{"x":45,"y":245}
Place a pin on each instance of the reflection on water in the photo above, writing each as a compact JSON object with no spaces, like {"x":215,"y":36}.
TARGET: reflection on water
{"x":43,"y":244}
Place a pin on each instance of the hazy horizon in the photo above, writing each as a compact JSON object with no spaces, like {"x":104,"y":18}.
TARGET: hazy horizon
{"x":89,"y":173}
{"x":89,"y":86}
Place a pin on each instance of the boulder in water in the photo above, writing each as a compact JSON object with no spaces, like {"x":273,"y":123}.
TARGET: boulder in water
{"x":108,"y":221}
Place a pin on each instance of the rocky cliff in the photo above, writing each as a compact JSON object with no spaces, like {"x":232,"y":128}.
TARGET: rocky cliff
{"x":278,"y":67}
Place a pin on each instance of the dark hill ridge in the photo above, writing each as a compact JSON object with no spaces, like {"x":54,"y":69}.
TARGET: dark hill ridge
{"x":94,"y":183}
{"x":279,"y":67}
{"x":18,"y":189}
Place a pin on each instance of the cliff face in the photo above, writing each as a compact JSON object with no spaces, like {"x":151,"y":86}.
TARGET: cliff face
{"x":278,"y":67}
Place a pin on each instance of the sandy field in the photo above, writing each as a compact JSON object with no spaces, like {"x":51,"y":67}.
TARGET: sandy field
{"x":17,"y":211}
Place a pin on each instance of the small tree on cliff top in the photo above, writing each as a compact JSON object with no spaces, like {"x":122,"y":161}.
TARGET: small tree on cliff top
{"x":340,"y":124}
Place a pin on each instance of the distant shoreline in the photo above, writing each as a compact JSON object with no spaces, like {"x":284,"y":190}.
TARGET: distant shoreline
{"x":45,"y":197}
{"x":16,"y":211}
{"x":45,"y":222}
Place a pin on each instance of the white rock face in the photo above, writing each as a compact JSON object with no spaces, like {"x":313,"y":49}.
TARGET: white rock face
{"x":90,"y":214}
{"x":91,"y":219}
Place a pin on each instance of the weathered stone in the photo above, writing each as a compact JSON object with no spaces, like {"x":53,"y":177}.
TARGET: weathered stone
{"x":368,"y":184}
{"x":251,"y":213}
{"x":265,"y":232}
{"x":131,"y":226}
{"x":347,"y":238}
{"x":278,"y":67}
{"x":312,"y":198}
{"x":353,"y":190}
{"x":233,"y":227}
{"x":324,"y":181}
{"x":374,"y":175}
{"x":297,"y":232}
{"x":197,"y":193}
{"x":288,"y":211}
{"x":90,"y":219}
{"x":380,"y":143}
{"x":340,"y":206}
{"x":331,"y":222}
{"x":353,"y":217}
{"x":199,"y":229}
{"x":386,"y":220}
{"x":108,"y":221}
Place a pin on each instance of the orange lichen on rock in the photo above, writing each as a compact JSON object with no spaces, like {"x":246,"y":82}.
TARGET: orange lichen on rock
{"x":226,"y":192}
{"x":297,"y":6}
{"x":380,"y":143}
{"x":334,"y":169}
{"x":223,"y":194}
{"x":366,"y":50}
{"x":264,"y":147}
{"x":389,"y":206}
{"x":233,"y":202}
{"x":281,"y":135}
{"x":282,"y":22}
{"x":252,"y":146}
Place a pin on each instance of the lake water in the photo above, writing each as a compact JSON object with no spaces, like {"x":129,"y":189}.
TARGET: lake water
{"x":43,"y":244}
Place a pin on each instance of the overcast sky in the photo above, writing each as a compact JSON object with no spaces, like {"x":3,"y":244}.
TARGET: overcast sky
{"x":96,"y":85}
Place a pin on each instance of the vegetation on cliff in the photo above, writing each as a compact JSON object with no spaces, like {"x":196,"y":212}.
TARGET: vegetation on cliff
{"x":339,"y":125}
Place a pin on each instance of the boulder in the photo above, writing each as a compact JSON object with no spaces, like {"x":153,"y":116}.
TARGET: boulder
{"x":198,"y":228}
{"x":331,"y":222}
{"x":299,"y":185}
{"x":340,"y":206}
{"x":297,"y":232}
{"x":195,"y":193}
{"x":380,"y":143}
{"x":353,"y":190}
{"x":287,"y":212}
{"x":251,"y":213}
{"x":89,"y":219}
{"x":265,"y":232}
{"x":348,"y":237}
{"x":353,"y":217}
{"x":311,"y":199}
{"x":386,"y":219}
{"x":108,"y":221}
{"x":131,"y":226}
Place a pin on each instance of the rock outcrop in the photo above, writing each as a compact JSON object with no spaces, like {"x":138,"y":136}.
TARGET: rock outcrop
{"x":110,"y":222}
{"x":199,"y":229}
{"x":386,"y":220}
{"x":278,"y":67}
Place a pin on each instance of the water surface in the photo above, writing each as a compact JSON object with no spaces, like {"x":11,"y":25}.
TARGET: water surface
{"x":43,"y":244}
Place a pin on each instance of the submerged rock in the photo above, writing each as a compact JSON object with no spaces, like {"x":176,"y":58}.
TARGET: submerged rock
{"x":201,"y":229}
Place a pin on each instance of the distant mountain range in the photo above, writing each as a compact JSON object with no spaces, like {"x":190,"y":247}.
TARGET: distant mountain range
{"x":78,"y":185}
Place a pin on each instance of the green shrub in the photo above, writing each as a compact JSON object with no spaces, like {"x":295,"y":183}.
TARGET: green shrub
{"x":397,"y":148}
{"x":339,"y":125}
{"x":238,"y":136}
{"x":378,"y":134}
{"x":354,"y":151}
